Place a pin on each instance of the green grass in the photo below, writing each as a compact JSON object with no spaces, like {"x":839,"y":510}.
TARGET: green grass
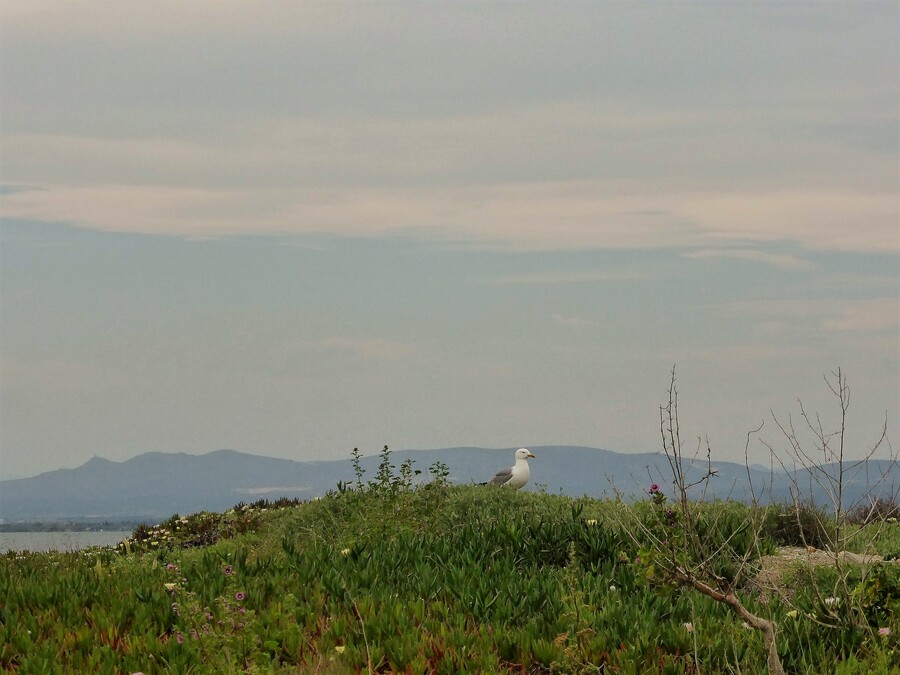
{"x":431,"y":579}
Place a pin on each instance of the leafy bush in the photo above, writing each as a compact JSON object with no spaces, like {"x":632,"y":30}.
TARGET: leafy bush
{"x":799,"y":525}
{"x":879,"y":510}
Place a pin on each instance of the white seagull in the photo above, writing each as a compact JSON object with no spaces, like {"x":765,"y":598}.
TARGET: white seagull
{"x":515,"y":476}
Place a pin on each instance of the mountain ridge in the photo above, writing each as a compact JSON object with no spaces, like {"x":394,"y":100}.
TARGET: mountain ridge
{"x":154,"y":485}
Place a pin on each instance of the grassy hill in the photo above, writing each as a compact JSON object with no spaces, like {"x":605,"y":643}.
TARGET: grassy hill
{"x":433,"y":578}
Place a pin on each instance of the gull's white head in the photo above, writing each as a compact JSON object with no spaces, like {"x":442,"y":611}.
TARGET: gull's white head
{"x":523,"y":453}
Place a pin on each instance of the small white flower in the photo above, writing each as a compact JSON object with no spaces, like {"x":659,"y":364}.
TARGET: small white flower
{"x":612,"y":588}
{"x":746,"y":625}
{"x":688,"y":626}
{"x":830,"y":601}
{"x":592,"y":521}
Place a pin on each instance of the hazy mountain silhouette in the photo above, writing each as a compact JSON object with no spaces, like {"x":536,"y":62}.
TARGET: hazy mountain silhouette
{"x":155,"y":485}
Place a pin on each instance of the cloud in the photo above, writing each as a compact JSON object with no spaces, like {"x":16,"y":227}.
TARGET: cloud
{"x":523,"y":216}
{"x":833,"y":315}
{"x":295,"y":118}
{"x":575,"y":321}
{"x":776,"y":259}
{"x":873,"y":315}
{"x":367,"y":348}
{"x":572,"y":277}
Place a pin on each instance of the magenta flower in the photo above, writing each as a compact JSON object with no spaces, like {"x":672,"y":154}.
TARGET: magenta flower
{"x":654,"y":488}
{"x":239,"y":596}
{"x":884,"y":631}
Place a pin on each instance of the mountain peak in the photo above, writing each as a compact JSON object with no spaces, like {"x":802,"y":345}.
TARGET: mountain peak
{"x":95,"y":462}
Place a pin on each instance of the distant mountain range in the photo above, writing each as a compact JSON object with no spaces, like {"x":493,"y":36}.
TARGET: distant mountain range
{"x":155,"y":485}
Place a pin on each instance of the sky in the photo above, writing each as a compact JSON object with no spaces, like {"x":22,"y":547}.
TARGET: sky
{"x":292,"y":229}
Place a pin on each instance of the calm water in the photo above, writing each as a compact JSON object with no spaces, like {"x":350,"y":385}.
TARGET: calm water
{"x":57,"y":541}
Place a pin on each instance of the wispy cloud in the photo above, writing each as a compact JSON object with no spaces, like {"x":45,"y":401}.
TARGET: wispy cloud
{"x":367,"y":348}
{"x":573,"y":277}
{"x":835,"y":315}
{"x":575,"y":321}
{"x":777,"y":259}
{"x":525,"y":216}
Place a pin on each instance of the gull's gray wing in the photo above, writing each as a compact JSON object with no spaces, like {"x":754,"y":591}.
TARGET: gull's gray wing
{"x":501,"y":477}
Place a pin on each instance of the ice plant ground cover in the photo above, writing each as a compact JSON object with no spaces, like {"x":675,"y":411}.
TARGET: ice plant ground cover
{"x":429,"y":578}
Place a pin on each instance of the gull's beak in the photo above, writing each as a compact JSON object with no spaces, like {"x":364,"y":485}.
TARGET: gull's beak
{"x":530,"y":455}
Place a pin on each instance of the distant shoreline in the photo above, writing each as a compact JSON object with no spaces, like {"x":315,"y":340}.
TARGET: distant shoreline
{"x":74,"y":526}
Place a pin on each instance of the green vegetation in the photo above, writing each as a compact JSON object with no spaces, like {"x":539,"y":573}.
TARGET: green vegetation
{"x":388,"y":575}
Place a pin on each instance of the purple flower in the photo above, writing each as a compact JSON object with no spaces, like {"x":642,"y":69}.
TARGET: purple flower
{"x":239,"y":596}
{"x":228,"y":570}
{"x":179,"y":638}
{"x":654,"y":488}
{"x":171,"y":566}
{"x":884,"y":631}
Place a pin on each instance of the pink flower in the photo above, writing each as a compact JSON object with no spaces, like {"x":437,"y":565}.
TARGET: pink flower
{"x":239,"y":596}
{"x":228,"y":570}
{"x":884,"y":631}
{"x":654,"y":488}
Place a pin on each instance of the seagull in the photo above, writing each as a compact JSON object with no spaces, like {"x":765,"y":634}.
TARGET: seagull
{"x":515,"y":476}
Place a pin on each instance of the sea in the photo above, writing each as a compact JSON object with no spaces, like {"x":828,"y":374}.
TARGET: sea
{"x":58,"y":541}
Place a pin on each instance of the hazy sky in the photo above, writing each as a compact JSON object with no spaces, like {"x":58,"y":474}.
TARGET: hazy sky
{"x":294,"y":228}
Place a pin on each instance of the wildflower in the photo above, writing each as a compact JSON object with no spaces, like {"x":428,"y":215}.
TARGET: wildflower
{"x":612,"y":587}
{"x":892,"y":519}
{"x":239,"y":596}
{"x":228,"y":570}
{"x":793,"y":613}
{"x":340,"y":649}
{"x":179,"y":638}
{"x":154,"y":543}
{"x":592,"y":521}
{"x":746,"y":625}
{"x":345,"y":551}
{"x":654,"y":488}
{"x":830,"y":601}
{"x":688,"y":626}
{"x":170,"y":586}
{"x":884,"y":630}
{"x":171,"y":566}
